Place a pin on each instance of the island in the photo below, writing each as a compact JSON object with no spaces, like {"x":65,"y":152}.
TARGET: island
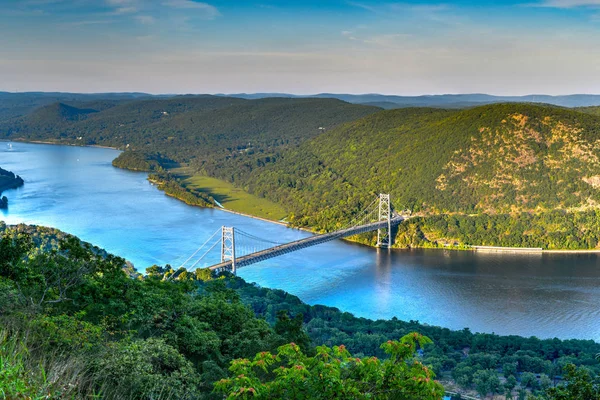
{"x":8,"y":180}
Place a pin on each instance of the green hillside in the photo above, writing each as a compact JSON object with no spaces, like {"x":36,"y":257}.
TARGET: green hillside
{"x":503,"y":174}
{"x":506,"y":159}
{"x":595,"y":110}
{"x":208,"y":131}
{"x":225,"y":138}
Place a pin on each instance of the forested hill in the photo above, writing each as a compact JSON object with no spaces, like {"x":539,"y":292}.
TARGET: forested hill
{"x":595,"y":110}
{"x":503,"y":174}
{"x":204,"y":130}
{"x":493,"y":160}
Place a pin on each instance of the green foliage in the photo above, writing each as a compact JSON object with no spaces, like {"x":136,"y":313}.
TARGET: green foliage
{"x":529,"y":380}
{"x":291,"y":330}
{"x":149,"y":369}
{"x":486,"y":381}
{"x":222,"y":136}
{"x":172,"y":187}
{"x":580,"y":385}
{"x":149,"y":338}
{"x":595,"y":110}
{"x":455,"y":354}
{"x":501,"y":167}
{"x":549,"y":230}
{"x":26,"y":375}
{"x":333,"y":373}
{"x":174,"y":333}
{"x":140,"y":161}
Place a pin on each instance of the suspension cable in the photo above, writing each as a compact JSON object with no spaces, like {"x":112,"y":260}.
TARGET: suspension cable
{"x":356,"y":221}
{"x":207,"y":251}
{"x":199,"y":248}
{"x":250,"y":236}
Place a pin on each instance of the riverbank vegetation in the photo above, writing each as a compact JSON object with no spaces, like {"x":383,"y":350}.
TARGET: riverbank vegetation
{"x":231,"y":197}
{"x":172,"y":186}
{"x":76,"y":322}
{"x":140,"y":161}
{"x":8,"y":180}
{"x":550,"y":231}
{"x":320,"y":161}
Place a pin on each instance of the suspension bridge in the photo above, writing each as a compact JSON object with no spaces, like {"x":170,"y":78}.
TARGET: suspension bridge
{"x":240,"y":249}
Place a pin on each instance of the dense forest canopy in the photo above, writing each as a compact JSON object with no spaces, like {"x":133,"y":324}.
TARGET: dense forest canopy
{"x":78,"y":322}
{"x":198,"y":129}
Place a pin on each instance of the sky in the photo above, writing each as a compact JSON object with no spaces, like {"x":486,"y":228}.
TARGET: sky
{"x":511,"y":47}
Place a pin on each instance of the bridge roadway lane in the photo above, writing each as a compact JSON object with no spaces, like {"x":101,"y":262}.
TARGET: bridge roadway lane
{"x":303,"y":243}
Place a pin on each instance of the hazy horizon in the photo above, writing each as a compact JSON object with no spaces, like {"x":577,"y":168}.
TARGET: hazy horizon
{"x":300,"y":94}
{"x":510,"y":47}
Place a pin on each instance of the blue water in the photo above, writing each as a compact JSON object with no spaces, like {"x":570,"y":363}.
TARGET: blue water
{"x":77,"y":190}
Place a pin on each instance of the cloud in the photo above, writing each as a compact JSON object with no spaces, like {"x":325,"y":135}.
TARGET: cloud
{"x":438,"y":13}
{"x":363,"y":6}
{"x":420,"y":8}
{"x":89,"y":22}
{"x":125,"y":10}
{"x":207,"y":11}
{"x":404,"y":7}
{"x":40,"y":2}
{"x":566,"y":3}
{"x":118,"y":2}
{"x":145,"y":19}
{"x":389,"y":40}
{"x":349,"y":35}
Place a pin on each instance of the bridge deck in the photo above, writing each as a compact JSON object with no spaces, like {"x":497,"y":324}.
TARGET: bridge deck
{"x":303,"y":243}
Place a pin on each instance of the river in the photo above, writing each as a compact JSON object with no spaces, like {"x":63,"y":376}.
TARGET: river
{"x":77,"y":190}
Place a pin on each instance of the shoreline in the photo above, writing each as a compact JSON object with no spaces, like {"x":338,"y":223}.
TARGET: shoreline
{"x":18,"y":140}
{"x":474,"y":248}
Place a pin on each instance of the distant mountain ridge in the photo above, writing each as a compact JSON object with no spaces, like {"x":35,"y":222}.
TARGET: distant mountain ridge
{"x":442,"y":100}
{"x":19,"y":104}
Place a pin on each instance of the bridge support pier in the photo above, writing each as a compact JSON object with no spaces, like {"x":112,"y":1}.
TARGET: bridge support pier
{"x":228,"y":246}
{"x":384,"y":235}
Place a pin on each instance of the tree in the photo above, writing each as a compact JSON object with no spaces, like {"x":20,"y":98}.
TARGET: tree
{"x":509,"y":369}
{"x":463,"y":375}
{"x":528,"y":379}
{"x":579,"y":386}
{"x":290,"y":330}
{"x":545,"y":382}
{"x":509,"y":385}
{"x":334,"y":373}
{"x":148,"y":369}
{"x":486,"y":381}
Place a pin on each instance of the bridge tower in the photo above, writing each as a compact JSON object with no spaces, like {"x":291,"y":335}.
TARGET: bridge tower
{"x":228,"y":246}
{"x":384,"y":235}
